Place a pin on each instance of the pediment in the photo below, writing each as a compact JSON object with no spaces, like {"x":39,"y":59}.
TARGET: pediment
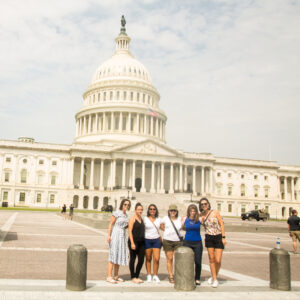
{"x":149,"y":147}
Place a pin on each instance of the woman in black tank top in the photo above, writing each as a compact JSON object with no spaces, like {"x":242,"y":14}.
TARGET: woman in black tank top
{"x":136,"y":230}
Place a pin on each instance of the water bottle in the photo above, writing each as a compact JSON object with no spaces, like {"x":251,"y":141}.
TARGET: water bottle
{"x":278,"y":243}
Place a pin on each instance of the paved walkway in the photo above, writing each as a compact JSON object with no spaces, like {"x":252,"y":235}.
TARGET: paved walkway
{"x":33,"y":249}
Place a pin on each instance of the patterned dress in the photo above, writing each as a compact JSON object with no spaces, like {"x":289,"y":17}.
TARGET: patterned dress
{"x":118,"y":251}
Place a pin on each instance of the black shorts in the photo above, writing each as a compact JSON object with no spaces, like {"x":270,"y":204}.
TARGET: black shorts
{"x":214,"y":241}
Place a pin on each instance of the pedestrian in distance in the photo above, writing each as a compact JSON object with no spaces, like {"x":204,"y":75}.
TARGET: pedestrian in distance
{"x":152,"y":242}
{"x":214,"y":238}
{"x":116,"y":237}
{"x":191,"y":224}
{"x":172,"y":239}
{"x":136,"y":243}
{"x":64,"y":211}
{"x":294,"y":228}
{"x":71,"y":212}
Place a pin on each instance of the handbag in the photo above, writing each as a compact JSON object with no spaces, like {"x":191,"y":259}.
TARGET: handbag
{"x":157,"y":230}
{"x":179,"y":236}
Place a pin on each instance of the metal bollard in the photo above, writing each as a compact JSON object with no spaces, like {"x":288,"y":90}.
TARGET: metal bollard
{"x":280,"y":270}
{"x":76,"y":268}
{"x":184,"y":269}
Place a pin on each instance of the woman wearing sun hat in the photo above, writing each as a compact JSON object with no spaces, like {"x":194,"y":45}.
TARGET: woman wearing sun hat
{"x":172,"y":239}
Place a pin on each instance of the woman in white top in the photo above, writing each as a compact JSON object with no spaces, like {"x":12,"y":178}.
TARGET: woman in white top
{"x":172,"y":239}
{"x":152,"y":242}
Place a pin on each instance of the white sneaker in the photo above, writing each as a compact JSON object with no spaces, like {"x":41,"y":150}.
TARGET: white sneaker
{"x":215,"y":284}
{"x":156,"y":279}
{"x":149,"y":278}
{"x":210,"y":280}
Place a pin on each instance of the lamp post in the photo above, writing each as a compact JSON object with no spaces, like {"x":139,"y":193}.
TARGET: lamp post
{"x":191,"y":197}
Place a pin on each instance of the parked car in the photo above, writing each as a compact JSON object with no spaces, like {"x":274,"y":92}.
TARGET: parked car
{"x":256,"y":214}
{"x":107,"y":208}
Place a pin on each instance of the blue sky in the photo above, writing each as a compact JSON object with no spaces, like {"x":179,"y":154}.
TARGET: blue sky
{"x":227,"y":71}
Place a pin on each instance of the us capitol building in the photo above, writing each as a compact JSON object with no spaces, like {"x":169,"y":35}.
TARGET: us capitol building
{"x":120,"y":151}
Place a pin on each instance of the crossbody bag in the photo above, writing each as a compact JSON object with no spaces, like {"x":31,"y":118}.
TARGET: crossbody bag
{"x":157,"y":230}
{"x":180,"y":237}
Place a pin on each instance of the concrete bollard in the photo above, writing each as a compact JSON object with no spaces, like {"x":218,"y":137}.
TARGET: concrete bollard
{"x":76,"y":268}
{"x":280,"y":270}
{"x":184,"y":269}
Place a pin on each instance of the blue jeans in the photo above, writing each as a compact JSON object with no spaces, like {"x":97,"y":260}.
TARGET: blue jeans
{"x":197,"y":247}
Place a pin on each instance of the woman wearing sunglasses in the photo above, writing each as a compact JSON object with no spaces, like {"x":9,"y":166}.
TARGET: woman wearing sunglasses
{"x":116,"y":237}
{"x":152,"y":242}
{"x":214,"y":238}
{"x":172,"y":239}
{"x":191,"y":224}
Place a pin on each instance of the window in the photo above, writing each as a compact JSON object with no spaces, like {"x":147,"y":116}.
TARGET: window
{"x":54,"y":163}
{"x":8,"y":159}
{"x":40,"y":178}
{"x":230,"y":207}
{"x":52,"y":198}
{"x":38,"y":197}
{"x":219,"y":206}
{"x":242,"y":176}
{"x":22,"y":197}
{"x":256,"y":207}
{"x":111,"y":95}
{"x":5,"y":196}
{"x":219,"y":189}
{"x":138,"y":97}
{"x":6,"y":177}
{"x":118,"y":95}
{"x":41,"y":162}
{"x":104,"y":96}
{"x":124,"y":95}
{"x":53,"y":179}
{"x":243,"y":208}
{"x":267,"y":209}
{"x":131,"y":96}
{"x":243,"y":190}
{"x":229,"y":191}
{"x":255,"y":177}
{"x":266,"y":178}
{"x":229,"y":175}
{"x":218,"y":174}
{"x":23,"y":176}
{"x":143,"y":98}
{"x":256,"y":192}
{"x":266,"y":193}
{"x":24,"y":161}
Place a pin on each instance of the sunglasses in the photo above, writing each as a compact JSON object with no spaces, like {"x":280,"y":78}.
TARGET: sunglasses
{"x":125,"y":204}
{"x":152,"y":208}
{"x":204,"y":204}
{"x":173,"y":210}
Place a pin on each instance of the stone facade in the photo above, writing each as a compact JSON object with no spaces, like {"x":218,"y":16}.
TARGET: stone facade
{"x":120,"y":150}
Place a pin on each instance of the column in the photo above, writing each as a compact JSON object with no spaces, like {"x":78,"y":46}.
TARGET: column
{"x":112,"y":122}
{"x":292,"y":188}
{"x":84,"y":125}
{"x":180,"y":177}
{"x":145,"y":124}
{"x":171,"y":190}
{"x":92,"y":174}
{"x":157,"y":174}
{"x":285,"y":189}
{"x":101,"y":175}
{"x":143,"y":189}
{"x":113,"y":173}
{"x":104,"y":121}
{"x":151,"y":126}
{"x":133,"y":176}
{"x":152,"y":189}
{"x":121,"y":122}
{"x":81,"y":173}
{"x":124,"y":174}
{"x":162,"y":178}
{"x":137,"y":123}
{"x":185,"y":178}
{"x":96,"y":123}
{"x":129,"y":122}
{"x":202,"y":180}
{"x":89,"y":124}
{"x":71,"y":175}
{"x":194,"y":181}
{"x":77,"y":127}
{"x":211,"y":184}
{"x":176,"y":171}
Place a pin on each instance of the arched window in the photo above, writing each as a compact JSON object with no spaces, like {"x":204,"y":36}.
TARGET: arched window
{"x":23,"y":176}
{"x":243,"y":190}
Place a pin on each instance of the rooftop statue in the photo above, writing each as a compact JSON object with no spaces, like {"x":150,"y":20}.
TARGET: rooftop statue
{"x":123,"y":23}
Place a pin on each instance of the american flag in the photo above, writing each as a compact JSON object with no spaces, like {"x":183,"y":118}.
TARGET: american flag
{"x":152,"y":113}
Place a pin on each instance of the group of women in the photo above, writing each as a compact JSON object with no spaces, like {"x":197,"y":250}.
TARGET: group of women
{"x":145,"y":240}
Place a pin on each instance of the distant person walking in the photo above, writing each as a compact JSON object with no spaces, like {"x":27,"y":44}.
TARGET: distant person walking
{"x":214,"y":238}
{"x":152,"y":242}
{"x":294,"y":228}
{"x":171,"y":225}
{"x":191,"y":224}
{"x":64,"y":211}
{"x":116,"y":237}
{"x":136,"y":243}
{"x":71,"y":212}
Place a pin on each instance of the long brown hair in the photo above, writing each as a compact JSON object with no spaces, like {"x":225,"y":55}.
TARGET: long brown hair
{"x":188,"y":213}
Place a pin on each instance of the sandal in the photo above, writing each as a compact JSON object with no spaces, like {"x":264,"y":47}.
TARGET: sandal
{"x":116,"y":278}
{"x":171,"y":279}
{"x":198,"y":282}
{"x":111,"y":280}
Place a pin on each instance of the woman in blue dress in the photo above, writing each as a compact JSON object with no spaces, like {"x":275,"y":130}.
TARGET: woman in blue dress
{"x":116,"y":237}
{"x":191,"y":224}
